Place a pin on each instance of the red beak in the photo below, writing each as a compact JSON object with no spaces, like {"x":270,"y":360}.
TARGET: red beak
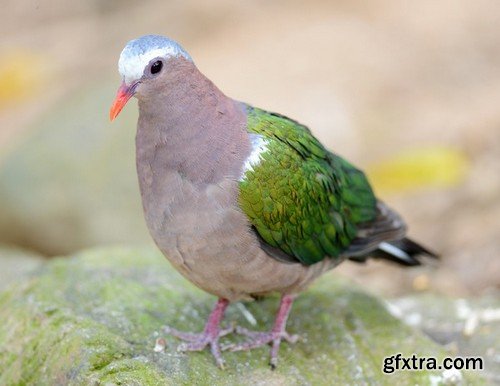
{"x":122,"y":96}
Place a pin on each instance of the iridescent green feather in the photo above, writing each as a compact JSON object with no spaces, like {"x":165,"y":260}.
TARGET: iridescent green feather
{"x":301,"y":198}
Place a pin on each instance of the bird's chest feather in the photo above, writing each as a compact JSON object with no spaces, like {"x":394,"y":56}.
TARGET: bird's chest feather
{"x":186,"y":216}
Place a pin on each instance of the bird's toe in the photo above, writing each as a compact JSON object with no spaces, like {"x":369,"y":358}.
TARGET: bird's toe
{"x":186,"y":336}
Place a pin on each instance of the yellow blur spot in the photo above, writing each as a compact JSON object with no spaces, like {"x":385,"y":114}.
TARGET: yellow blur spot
{"x":420,"y":168}
{"x":421,"y":283}
{"x":20,"y":76}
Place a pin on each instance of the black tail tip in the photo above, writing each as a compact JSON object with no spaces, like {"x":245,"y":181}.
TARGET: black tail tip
{"x":404,"y":252}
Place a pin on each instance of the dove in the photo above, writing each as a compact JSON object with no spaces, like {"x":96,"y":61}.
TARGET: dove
{"x":244,"y":202}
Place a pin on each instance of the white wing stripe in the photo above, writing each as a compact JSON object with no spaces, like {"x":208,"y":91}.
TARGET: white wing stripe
{"x":395,"y":251}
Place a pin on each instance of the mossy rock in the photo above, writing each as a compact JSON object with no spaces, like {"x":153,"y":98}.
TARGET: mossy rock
{"x":93,"y":319}
{"x":71,"y":182}
{"x":468,"y":327}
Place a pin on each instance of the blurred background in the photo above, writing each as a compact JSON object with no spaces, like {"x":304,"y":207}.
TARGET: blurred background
{"x":409,"y":91}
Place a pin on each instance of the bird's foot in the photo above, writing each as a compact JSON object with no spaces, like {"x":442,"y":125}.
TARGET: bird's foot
{"x":265,"y":337}
{"x":198,"y":341}
{"x":273,"y":337}
{"x":258,"y":339}
{"x":209,"y":337}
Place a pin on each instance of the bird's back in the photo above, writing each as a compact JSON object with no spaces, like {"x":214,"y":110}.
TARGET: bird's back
{"x":305,"y":202}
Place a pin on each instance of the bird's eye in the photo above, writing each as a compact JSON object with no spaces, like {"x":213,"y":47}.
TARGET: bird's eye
{"x":156,"y":67}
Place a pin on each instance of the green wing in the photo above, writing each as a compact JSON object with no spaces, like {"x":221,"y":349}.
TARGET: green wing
{"x":302,"y":200}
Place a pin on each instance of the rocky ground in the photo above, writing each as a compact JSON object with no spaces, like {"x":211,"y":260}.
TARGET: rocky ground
{"x":98,"y":317}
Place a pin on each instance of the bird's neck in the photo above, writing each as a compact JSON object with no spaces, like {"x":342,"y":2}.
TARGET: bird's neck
{"x":193,"y":128}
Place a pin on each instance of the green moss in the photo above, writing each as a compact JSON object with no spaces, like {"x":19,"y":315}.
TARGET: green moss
{"x":94,"y":319}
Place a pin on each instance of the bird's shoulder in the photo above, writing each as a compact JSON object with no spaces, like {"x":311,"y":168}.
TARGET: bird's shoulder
{"x":303,"y":201}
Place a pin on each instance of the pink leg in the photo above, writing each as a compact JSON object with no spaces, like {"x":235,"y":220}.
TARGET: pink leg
{"x":209,"y":336}
{"x":273,"y":337}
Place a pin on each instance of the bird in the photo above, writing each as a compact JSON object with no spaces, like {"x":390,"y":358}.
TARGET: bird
{"x":244,"y":202}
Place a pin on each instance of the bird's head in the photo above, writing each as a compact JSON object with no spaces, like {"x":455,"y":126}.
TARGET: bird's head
{"x":144,"y":63}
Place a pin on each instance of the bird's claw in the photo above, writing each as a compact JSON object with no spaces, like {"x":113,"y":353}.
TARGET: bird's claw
{"x":267,"y":337}
{"x":195,"y":337}
{"x":258,"y":339}
{"x":294,"y":338}
{"x":198,"y":341}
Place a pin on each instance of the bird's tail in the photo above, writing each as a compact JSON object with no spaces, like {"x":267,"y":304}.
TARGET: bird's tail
{"x":405,"y":252}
